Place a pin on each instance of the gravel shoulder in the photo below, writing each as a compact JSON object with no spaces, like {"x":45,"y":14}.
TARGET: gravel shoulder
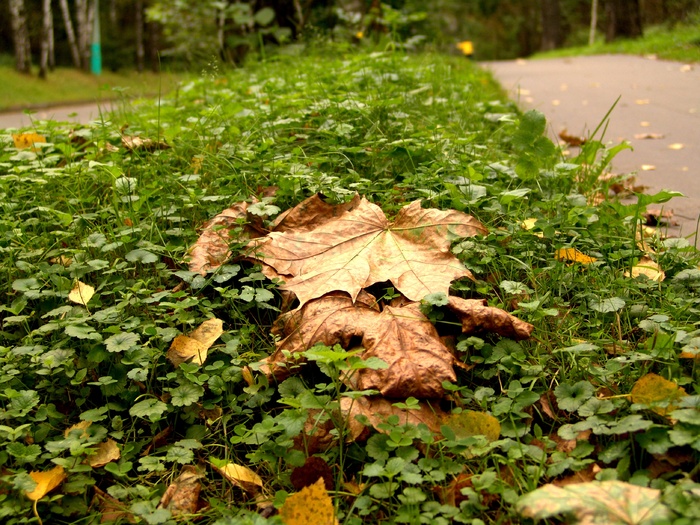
{"x":656,"y":98}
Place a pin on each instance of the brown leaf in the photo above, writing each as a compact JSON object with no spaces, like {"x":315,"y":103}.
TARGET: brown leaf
{"x":476,"y":317}
{"x":644,"y":136}
{"x":582,"y":476}
{"x":361,"y":247}
{"x":377,"y":410}
{"x":314,"y":468}
{"x":111,"y":509}
{"x":572,"y":140}
{"x":212,"y":247}
{"x":194,"y":347}
{"x":418,"y":362}
{"x":133,"y":143}
{"x":182,"y":496}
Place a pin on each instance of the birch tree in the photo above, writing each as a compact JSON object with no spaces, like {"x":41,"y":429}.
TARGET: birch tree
{"x":20,"y":36}
{"x":46,"y":37}
{"x":70,"y":33}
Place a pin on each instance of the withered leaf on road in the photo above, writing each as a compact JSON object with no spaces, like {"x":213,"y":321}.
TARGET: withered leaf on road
{"x":418,"y":361}
{"x":361,"y":247}
{"x":182,"y":496}
{"x":476,"y":316}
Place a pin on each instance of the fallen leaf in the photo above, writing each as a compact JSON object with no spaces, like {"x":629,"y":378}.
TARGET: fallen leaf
{"x":655,"y":216}
{"x":645,"y":124}
{"x":685,"y":68}
{"x":582,"y":476}
{"x":676,"y":146}
{"x":470,"y":423}
{"x":573,"y":255}
{"x":418,"y":361}
{"x":105,"y":452}
{"x":211,"y":249}
{"x":528,"y":224}
{"x":658,"y":394}
{"x":313,"y":468}
{"x":477,"y":317}
{"x":647,"y":268}
{"x":310,"y":505}
{"x":644,"y":136}
{"x":81,"y":293}
{"x":83,"y":425}
{"x":556,"y":102}
{"x":361,"y":247}
{"x":133,"y":143}
{"x":194,"y":347}
{"x":111,"y":509}
{"x":642,"y":101}
{"x":45,"y":482}
{"x":597,"y":502}
{"x":27,"y":140}
{"x":377,"y":409}
{"x":572,"y":140}
{"x":182,"y":496}
{"x":241,"y":476}
{"x":648,"y":167}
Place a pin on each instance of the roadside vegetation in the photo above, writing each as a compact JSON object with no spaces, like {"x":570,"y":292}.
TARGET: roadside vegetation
{"x":135,"y":384}
{"x":680,"y":43}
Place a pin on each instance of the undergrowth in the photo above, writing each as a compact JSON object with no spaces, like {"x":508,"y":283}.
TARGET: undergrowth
{"x":393,"y":128}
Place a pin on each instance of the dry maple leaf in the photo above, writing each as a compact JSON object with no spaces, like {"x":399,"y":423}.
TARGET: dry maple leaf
{"x":418,"y":361}
{"x":476,"y":316}
{"x":360,"y":247}
{"x":212,"y":247}
{"x":182,"y":496}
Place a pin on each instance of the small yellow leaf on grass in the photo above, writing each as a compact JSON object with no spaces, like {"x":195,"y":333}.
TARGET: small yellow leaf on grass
{"x":676,"y":146}
{"x":310,"y":505}
{"x":661,"y":395}
{"x":469,"y":423}
{"x":241,"y":476}
{"x":104,"y":453}
{"x":195,"y":346}
{"x":573,"y":255}
{"x":81,"y":293}
{"x":528,"y":224}
{"x":46,"y":482}
{"x":83,"y":425}
{"x":27,"y":140}
{"x":648,"y":268}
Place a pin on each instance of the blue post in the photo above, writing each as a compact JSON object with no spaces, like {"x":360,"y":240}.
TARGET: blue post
{"x":95,"y":48}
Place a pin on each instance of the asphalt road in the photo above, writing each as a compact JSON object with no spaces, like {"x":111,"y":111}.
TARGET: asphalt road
{"x":78,"y":113}
{"x":657,"y":98}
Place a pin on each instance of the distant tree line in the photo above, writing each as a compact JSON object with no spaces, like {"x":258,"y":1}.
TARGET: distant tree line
{"x":141,"y":33}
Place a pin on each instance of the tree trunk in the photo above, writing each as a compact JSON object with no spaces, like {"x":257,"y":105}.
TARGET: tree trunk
{"x":594,"y":22}
{"x":140,"y":51}
{"x":552,"y":36}
{"x":624,"y":19}
{"x":70,"y":33}
{"x":81,"y":19}
{"x":46,"y":16}
{"x":52,"y":44}
{"x":20,"y":36}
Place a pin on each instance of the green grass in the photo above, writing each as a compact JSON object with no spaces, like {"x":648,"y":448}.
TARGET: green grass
{"x":681,"y":43}
{"x":67,"y":85}
{"x":394,"y":128}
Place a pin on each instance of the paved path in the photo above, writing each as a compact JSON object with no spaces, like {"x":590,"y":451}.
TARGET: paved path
{"x":79,"y":113}
{"x":656,"y":97}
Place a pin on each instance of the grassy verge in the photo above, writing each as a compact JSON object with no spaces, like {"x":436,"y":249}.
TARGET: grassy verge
{"x":66,"y":85}
{"x":605,"y":390}
{"x":681,"y":43}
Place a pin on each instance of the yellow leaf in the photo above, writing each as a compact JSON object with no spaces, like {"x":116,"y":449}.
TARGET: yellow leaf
{"x":104,"y":453}
{"x":81,"y":293}
{"x":642,"y":101}
{"x":83,"y":425}
{"x":310,"y":505}
{"x":469,"y":423}
{"x":648,"y":268}
{"x":528,"y":224}
{"x":573,"y":255}
{"x":466,"y":47}
{"x":241,"y":476}
{"x":661,"y":395}
{"x":27,"y":140}
{"x":195,"y":346}
{"x":676,"y":146}
{"x":648,"y":167}
{"x":46,"y":482}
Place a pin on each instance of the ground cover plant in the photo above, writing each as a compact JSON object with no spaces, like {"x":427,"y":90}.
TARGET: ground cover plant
{"x":163,"y":361}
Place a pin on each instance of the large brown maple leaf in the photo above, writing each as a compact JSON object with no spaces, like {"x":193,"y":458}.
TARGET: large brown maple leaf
{"x":358,"y":247}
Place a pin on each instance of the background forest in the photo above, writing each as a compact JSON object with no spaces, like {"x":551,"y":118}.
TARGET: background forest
{"x":144,"y":34}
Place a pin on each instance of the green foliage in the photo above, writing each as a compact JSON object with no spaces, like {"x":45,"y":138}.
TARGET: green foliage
{"x":394,"y":128}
